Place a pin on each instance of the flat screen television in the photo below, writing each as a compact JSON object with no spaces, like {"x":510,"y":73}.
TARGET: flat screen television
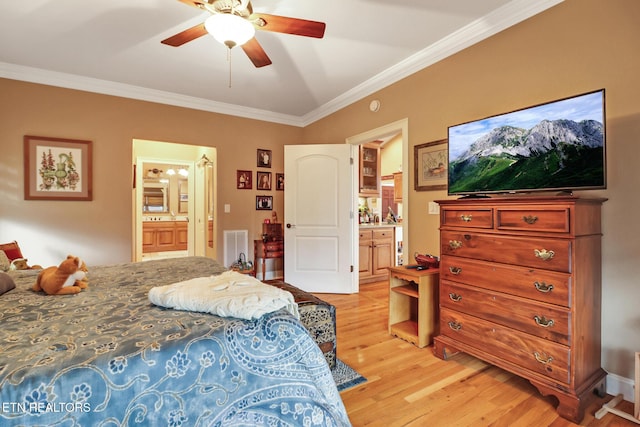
{"x":556,"y":146}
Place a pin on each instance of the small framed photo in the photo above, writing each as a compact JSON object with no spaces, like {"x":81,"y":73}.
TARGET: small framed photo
{"x":279,"y":182}
{"x":264,"y":180}
{"x":430,"y":164}
{"x":243,"y":180}
{"x":264,"y":158}
{"x":57,"y":169}
{"x":264,"y":203}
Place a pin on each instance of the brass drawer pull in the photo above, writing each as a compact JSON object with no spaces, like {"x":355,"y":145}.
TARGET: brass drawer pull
{"x":530,"y":219}
{"x":543,"y":287}
{"x":455,"y":244}
{"x":455,"y":270}
{"x":455,"y":325}
{"x":455,"y":297}
{"x":544,"y":360}
{"x":466,"y":218}
{"x":543,"y":321}
{"x":544,"y":254}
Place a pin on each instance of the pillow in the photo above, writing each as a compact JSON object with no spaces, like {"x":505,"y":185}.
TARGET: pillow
{"x":6,"y":283}
{"x":12,"y":250}
{"x":5,"y":263}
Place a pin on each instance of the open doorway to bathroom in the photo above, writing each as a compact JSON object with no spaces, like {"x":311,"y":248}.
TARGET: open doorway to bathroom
{"x":174,"y":200}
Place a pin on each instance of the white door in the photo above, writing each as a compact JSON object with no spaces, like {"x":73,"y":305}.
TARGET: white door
{"x":320,"y":227}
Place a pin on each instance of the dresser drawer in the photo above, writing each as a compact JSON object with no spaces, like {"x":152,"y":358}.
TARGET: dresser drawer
{"x":383,"y":234}
{"x":549,"y":254}
{"x":366,"y":235}
{"x":541,"y":285}
{"x":542,"y":320}
{"x":536,"y":354}
{"x":273,"y":246}
{"x":469,"y":218}
{"x":548,"y":220}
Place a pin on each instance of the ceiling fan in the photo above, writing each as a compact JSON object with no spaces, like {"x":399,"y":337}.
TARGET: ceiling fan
{"x":236,"y":16}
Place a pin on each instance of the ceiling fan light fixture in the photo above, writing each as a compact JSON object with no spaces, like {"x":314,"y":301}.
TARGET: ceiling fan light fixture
{"x":230,"y":30}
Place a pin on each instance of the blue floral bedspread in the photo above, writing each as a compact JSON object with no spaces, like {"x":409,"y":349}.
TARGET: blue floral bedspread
{"x":108,"y":357}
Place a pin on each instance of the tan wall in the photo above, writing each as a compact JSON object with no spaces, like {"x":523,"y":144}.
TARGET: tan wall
{"x":391,"y":156}
{"x":101,"y":230}
{"x":575,"y":47}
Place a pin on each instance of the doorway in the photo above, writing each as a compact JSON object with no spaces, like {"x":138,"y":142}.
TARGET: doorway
{"x":174,"y":200}
{"x":399,"y":129}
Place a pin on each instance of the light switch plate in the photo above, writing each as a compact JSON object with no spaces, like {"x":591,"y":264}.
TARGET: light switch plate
{"x":433,"y":208}
{"x":227,"y":208}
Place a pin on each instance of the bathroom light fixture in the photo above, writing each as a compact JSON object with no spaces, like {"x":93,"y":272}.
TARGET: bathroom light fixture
{"x":183,"y":172}
{"x":229,"y":29}
{"x":171,"y":171}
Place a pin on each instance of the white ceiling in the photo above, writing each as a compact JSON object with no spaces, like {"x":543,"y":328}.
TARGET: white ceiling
{"x":113,"y":47}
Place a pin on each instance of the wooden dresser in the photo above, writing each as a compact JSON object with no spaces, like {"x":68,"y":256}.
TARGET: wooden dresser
{"x":520,"y":288}
{"x":271,"y":246}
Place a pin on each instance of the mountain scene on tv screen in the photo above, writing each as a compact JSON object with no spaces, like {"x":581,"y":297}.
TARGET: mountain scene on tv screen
{"x":560,"y":154}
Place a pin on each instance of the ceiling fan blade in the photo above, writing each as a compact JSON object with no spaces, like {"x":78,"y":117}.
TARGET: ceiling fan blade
{"x":256,"y":53}
{"x":283,"y":24}
{"x":193,"y":3}
{"x":186,"y":36}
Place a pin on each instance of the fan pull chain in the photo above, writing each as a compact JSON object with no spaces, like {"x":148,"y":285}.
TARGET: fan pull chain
{"x":229,"y":61}
{"x":229,"y":46}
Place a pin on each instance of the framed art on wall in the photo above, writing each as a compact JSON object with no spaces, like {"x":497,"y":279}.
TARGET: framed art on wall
{"x":57,"y":168}
{"x":264,"y":158}
{"x":430,"y":166}
{"x":243,"y":180}
{"x":264,"y":180}
{"x":264,"y":203}
{"x":279,"y":182}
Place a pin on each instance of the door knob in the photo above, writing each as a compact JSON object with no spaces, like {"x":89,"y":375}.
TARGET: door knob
{"x":290,"y":225}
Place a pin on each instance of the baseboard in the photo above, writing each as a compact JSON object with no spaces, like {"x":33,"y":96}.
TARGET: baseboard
{"x":616,"y":385}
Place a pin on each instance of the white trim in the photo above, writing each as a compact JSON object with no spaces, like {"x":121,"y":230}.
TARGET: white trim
{"x":500,"y":19}
{"x":616,"y":385}
{"x":402,"y":127}
{"x":105,"y":87}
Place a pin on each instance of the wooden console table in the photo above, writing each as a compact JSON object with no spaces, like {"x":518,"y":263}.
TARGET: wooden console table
{"x":412,"y":304}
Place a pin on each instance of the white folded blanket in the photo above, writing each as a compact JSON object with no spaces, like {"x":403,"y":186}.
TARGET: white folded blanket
{"x":230,"y":294}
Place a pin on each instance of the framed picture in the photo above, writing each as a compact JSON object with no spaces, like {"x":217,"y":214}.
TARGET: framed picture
{"x":279,"y":182}
{"x":430,"y":166}
{"x":264,"y":158}
{"x":243,"y":180}
{"x":264,"y":203}
{"x":263,"y":180}
{"x":57,"y":168}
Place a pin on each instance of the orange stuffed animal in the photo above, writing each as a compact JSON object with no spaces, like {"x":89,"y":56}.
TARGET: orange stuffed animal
{"x":67,"y":278}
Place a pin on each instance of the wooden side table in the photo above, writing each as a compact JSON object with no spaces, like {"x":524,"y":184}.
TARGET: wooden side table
{"x":266,"y":250}
{"x":413,"y":304}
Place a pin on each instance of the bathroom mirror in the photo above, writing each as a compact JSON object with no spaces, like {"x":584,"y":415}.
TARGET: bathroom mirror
{"x":165,"y":189}
{"x":155,"y":197}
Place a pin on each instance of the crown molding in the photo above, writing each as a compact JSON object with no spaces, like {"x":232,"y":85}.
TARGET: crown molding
{"x":502,"y":18}
{"x":105,"y":87}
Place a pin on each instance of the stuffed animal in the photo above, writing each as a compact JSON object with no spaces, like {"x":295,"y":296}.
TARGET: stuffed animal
{"x":21,"y":264}
{"x":84,"y":282}
{"x":61,"y":280}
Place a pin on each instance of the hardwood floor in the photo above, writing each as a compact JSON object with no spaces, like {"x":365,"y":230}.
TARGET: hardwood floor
{"x":408,"y":386}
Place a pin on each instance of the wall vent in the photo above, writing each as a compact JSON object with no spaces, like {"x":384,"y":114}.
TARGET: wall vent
{"x":235,"y":242}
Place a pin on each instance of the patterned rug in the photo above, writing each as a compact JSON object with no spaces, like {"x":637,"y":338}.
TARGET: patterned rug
{"x":345,"y":376}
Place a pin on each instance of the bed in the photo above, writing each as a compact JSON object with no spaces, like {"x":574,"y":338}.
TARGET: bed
{"x":108,"y":357}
